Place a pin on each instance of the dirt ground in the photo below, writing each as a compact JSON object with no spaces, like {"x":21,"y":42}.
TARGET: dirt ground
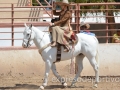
{"x":33,"y":83}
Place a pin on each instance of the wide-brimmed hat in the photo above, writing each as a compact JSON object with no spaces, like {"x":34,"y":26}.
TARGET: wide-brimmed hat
{"x":64,"y":2}
{"x":84,"y":24}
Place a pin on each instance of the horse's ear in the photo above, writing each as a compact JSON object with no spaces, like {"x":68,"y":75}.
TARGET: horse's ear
{"x":30,"y":26}
{"x":25,"y":25}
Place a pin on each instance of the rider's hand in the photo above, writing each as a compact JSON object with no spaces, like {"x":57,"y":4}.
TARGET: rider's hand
{"x":51,"y":24}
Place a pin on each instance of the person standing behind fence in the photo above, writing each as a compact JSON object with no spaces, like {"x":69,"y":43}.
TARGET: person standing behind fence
{"x":116,"y":36}
{"x":84,"y":27}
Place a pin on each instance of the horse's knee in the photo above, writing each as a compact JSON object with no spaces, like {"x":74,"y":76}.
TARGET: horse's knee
{"x":55,"y":73}
{"x":96,"y":67}
{"x":80,"y":68}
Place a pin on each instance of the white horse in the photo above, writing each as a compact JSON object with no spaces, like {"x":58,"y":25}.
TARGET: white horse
{"x":87,"y":46}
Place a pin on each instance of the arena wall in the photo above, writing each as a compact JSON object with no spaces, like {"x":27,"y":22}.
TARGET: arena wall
{"x":29,"y":62}
{"x":7,"y":2}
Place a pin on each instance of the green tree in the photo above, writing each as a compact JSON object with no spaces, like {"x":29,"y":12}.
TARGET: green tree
{"x":34,"y":3}
{"x":110,"y":12}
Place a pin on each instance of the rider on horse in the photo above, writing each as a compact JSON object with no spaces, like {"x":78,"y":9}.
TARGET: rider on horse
{"x":61,"y":29}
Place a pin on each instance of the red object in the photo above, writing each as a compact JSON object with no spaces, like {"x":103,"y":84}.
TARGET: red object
{"x":73,"y":36}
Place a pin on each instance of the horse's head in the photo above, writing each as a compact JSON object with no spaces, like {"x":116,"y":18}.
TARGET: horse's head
{"x":28,"y":35}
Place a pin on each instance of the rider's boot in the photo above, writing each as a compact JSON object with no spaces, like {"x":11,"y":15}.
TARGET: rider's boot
{"x":53,"y":44}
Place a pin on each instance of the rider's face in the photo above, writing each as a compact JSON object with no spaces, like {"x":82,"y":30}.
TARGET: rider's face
{"x":63,"y":7}
{"x":83,"y":27}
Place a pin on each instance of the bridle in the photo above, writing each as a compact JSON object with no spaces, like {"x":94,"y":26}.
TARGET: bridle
{"x":43,"y":36}
{"x":28,"y":41}
{"x":28,"y":44}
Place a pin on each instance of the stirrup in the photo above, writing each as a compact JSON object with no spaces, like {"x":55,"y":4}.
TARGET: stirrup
{"x":66,"y":49}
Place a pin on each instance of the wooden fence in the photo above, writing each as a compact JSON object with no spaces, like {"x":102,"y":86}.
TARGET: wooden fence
{"x":15,"y":16}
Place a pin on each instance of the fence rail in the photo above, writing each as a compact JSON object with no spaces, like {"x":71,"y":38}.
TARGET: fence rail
{"x":15,"y":16}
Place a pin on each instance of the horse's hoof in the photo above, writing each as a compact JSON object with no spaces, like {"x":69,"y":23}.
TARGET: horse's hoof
{"x":95,"y":86}
{"x":41,"y":88}
{"x":73,"y":86}
{"x":65,"y":85}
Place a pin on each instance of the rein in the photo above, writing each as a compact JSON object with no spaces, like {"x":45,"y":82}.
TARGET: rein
{"x":45,"y":46}
{"x":27,"y":42}
{"x":43,"y":36}
{"x":28,"y":45}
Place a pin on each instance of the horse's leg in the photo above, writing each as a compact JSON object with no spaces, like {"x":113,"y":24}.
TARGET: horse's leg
{"x":58,"y":76}
{"x":94,"y":64}
{"x":79,"y":62}
{"x":48,"y":65}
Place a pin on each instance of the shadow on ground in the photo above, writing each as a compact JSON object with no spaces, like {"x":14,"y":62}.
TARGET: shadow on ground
{"x":31,"y":87}
{"x":21,"y":86}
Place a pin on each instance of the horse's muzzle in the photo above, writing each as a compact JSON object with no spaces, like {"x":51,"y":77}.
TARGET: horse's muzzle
{"x":24,"y":45}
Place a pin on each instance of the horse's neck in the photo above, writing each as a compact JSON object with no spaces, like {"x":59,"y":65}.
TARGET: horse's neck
{"x":41,"y":38}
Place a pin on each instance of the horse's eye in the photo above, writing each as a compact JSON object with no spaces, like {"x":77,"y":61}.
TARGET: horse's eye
{"x":28,"y":34}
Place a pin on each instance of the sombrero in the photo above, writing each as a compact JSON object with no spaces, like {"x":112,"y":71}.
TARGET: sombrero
{"x":64,"y":2}
{"x":84,"y":24}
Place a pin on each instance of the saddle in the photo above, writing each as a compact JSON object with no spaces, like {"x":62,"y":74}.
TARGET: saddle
{"x":72,"y":41}
{"x":74,"y":38}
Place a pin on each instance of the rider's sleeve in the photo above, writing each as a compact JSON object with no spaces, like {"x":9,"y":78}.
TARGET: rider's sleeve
{"x":66,"y":17}
{"x":56,"y":13}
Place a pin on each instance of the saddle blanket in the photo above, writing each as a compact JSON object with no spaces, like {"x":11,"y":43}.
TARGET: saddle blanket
{"x":88,"y":33}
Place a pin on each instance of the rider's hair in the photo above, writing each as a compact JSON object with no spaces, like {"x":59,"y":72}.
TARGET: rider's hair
{"x":68,"y":8}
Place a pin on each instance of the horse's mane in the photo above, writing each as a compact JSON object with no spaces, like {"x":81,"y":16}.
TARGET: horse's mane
{"x":44,"y":32}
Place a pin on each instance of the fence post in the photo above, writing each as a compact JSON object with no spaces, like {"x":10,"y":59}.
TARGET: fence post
{"x":12,"y":22}
{"x":76,"y":17}
{"x":106,"y":23}
{"x":77,"y":28}
{"x":78,"y":5}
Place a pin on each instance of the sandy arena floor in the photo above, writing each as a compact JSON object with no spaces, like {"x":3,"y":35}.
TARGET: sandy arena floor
{"x":33,"y":83}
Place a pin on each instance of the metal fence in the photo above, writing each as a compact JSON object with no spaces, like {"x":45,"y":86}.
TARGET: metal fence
{"x":15,"y":16}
